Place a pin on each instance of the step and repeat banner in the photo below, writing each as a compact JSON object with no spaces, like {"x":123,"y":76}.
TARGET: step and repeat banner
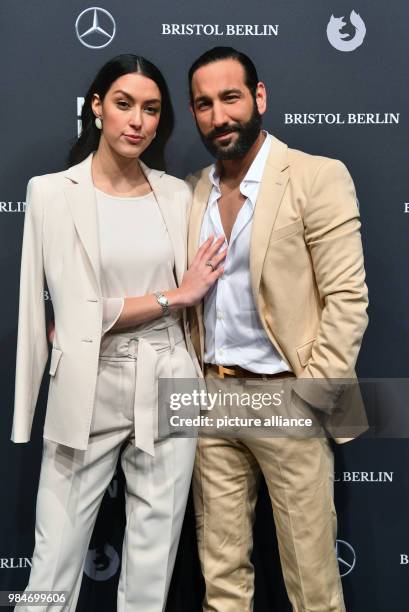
{"x":336,"y":77}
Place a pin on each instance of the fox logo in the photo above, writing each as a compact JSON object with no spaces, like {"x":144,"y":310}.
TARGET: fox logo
{"x":101,"y":563}
{"x":336,"y":24}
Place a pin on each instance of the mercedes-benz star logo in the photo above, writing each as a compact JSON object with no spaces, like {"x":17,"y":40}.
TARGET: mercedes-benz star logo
{"x":346,"y":557}
{"x":95,"y":27}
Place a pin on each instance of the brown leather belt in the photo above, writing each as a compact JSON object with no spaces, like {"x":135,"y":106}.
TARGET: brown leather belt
{"x":239,"y":372}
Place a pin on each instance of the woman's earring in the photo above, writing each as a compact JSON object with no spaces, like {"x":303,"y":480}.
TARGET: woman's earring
{"x":98,"y":122}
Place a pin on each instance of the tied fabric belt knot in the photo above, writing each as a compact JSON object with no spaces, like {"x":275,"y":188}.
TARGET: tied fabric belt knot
{"x":145,"y":354}
{"x":129,"y":348}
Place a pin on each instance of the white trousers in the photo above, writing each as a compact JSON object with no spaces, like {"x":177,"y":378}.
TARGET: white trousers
{"x":73,"y":482}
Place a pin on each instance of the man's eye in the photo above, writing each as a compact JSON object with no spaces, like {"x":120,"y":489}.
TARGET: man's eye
{"x":231,"y":98}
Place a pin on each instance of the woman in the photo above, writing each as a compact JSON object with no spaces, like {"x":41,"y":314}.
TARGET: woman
{"x":110,"y":236}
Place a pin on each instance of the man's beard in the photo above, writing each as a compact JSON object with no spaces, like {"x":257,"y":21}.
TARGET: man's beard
{"x":247,"y":136}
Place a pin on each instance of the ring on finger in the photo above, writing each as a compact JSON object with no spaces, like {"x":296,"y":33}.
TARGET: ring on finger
{"x":210,"y":264}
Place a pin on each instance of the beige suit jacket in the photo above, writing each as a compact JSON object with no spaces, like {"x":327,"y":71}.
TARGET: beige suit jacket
{"x":61,"y":244}
{"x":307,"y":273}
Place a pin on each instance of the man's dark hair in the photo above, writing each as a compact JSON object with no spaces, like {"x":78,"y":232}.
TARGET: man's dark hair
{"x":222,"y":53}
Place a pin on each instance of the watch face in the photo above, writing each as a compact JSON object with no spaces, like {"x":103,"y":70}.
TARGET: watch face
{"x":163,"y":301}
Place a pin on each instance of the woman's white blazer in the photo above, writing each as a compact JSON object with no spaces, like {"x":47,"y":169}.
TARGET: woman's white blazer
{"x":61,"y":245}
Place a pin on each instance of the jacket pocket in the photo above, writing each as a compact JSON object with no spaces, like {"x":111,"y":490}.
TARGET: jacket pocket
{"x":304,"y":351}
{"x":55,"y":360}
{"x":287,"y":230}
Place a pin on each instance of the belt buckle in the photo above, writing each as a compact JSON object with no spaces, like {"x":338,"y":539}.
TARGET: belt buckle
{"x":222,"y":370}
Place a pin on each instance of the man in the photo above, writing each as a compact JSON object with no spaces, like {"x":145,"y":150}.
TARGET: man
{"x":291,"y":303}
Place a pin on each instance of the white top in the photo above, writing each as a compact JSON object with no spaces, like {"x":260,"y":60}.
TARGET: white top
{"x":136,"y":254}
{"x":234,"y":332}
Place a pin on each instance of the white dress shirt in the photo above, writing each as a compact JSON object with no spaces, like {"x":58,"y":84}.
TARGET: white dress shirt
{"x":234,"y":332}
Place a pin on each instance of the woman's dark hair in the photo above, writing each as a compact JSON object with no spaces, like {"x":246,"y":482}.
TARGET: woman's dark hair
{"x":222,"y":53}
{"x":126,"y":63}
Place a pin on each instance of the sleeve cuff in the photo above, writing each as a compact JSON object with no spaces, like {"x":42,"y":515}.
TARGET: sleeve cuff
{"x":112,"y":308}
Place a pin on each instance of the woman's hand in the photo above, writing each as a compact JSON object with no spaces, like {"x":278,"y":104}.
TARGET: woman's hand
{"x":201,"y":276}
{"x":195,"y":284}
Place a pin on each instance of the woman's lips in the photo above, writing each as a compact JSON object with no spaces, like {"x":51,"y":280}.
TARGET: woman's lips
{"x":132,"y":138}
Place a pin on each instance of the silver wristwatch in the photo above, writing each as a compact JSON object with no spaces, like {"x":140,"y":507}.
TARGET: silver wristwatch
{"x":162,"y":301}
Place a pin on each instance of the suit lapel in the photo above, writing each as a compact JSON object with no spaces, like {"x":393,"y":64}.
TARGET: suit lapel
{"x":273,"y":184}
{"x":172,"y":220}
{"x":81,"y":199}
{"x":200,"y":199}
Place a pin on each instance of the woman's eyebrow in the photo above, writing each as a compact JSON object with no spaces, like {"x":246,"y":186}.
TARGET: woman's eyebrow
{"x":121,"y":91}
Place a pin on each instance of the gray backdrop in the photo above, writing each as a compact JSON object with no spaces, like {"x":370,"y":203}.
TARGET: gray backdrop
{"x":355,"y":102}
